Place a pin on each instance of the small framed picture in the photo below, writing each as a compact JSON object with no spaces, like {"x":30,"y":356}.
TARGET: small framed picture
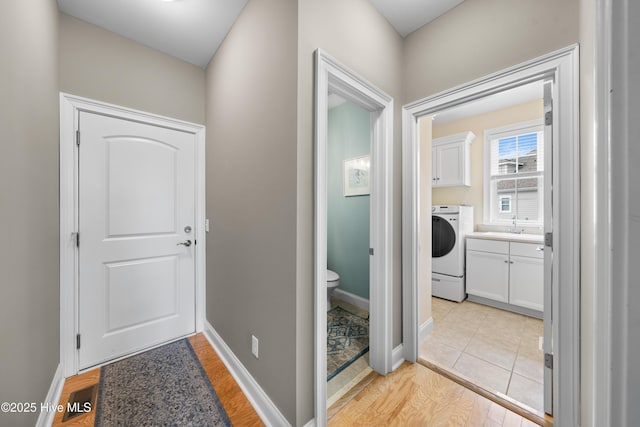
{"x":356,"y":176}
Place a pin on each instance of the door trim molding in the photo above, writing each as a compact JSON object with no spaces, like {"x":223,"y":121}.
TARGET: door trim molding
{"x":332,"y":76}
{"x":562,"y":65}
{"x":70,"y":107}
{"x":604,"y":157}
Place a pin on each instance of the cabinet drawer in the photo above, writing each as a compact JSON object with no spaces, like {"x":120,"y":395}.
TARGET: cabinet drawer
{"x":531,"y":250}
{"x":495,"y":246}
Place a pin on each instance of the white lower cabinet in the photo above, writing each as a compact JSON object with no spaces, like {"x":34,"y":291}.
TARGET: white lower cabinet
{"x":526,"y":282}
{"x":488,"y":275}
{"x":508,"y":272}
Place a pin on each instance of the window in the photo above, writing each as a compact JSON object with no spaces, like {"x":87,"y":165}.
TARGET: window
{"x":514,"y":172}
{"x":505,"y":204}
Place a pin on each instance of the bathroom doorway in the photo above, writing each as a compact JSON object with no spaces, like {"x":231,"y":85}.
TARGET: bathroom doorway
{"x":348,"y":243}
{"x":333,"y":79}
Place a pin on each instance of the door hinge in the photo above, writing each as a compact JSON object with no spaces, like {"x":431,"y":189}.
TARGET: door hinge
{"x":78,"y":137}
{"x":548,"y":360}
{"x":548,"y":239}
{"x":548,"y":118}
{"x":78,"y":239}
{"x":370,"y":251}
{"x":78,"y":341}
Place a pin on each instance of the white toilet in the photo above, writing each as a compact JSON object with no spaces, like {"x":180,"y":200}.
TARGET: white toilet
{"x":333,"y":281}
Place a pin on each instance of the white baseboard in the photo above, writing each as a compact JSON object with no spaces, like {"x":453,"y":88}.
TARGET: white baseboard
{"x":352,"y":299}
{"x":45,"y":419}
{"x":425,"y":329}
{"x":266,"y":409}
{"x":397,"y":357}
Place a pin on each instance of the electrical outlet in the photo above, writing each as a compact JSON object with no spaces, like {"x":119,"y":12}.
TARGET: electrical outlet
{"x":254,"y":346}
{"x":206,"y":225}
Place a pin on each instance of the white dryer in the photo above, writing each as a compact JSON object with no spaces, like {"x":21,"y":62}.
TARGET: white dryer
{"x":449,"y":226}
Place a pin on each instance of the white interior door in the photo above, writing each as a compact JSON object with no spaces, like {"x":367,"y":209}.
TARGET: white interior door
{"x":548,"y":248}
{"x":136,"y":225}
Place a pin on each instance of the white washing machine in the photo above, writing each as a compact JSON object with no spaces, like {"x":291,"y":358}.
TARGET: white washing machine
{"x":449,"y":226}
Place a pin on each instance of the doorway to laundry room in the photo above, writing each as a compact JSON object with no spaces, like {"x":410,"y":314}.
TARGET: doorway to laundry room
{"x":502,"y":260}
{"x":488,"y":195}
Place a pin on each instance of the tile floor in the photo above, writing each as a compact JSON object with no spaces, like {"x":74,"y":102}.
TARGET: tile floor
{"x":345,"y":380}
{"x":496,"y":349}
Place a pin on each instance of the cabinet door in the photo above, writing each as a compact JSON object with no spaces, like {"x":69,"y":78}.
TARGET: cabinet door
{"x":527,"y":282}
{"x":450,"y":163}
{"x":488,"y":275}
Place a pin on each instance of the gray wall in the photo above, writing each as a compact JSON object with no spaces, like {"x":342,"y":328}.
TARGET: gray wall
{"x":349,"y":136}
{"x":29,"y":308}
{"x":633,"y":321}
{"x":101,"y":65}
{"x":251,"y":195}
{"x":626,"y":213}
{"x":633,"y":129}
{"x":480,"y":37}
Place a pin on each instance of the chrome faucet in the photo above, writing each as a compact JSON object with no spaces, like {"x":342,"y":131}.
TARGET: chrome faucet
{"x":515,"y":226}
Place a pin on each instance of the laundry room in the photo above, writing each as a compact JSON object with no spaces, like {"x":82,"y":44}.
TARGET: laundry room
{"x":489,"y":260}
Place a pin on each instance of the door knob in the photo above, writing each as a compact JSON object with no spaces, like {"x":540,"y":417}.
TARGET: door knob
{"x":186,"y":243}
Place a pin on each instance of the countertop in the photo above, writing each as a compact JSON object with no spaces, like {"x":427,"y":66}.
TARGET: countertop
{"x":510,"y":237}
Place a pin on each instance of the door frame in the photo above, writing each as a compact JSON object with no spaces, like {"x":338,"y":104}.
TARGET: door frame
{"x":331,"y":76}
{"x":70,"y":108}
{"x":563,"y":66}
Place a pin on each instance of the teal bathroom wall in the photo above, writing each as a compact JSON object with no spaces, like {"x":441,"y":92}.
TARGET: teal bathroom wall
{"x":347,"y":217}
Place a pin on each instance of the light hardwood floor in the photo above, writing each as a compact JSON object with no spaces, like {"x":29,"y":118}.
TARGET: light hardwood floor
{"x":414,"y":395}
{"x":75,"y":383}
{"x":240,"y":411}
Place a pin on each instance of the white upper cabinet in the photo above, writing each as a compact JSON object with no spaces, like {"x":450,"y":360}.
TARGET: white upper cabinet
{"x":451,"y":160}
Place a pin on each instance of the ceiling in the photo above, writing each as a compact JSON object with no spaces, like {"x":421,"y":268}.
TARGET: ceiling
{"x":192,"y":30}
{"x":335,"y":101}
{"x":406,"y":16}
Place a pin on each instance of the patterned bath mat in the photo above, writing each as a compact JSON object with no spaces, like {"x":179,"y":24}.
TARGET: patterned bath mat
{"x":347,"y":339}
{"x":166,"y":386}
